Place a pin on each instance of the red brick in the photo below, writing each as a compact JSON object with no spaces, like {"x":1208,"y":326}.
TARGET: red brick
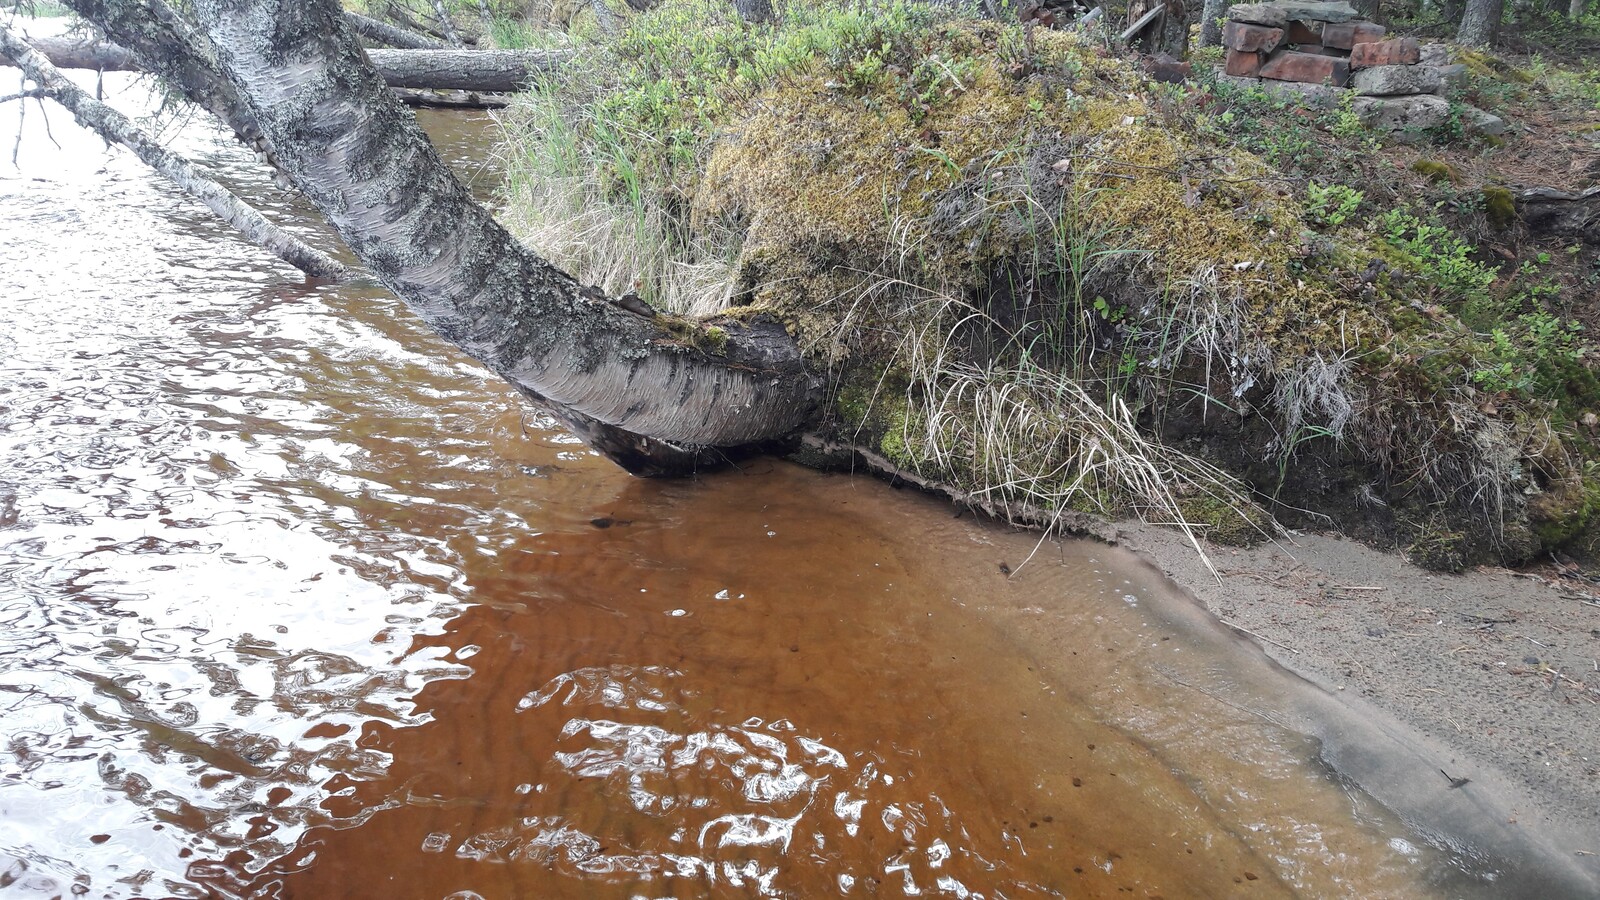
{"x":1397,"y":52}
{"x":1309,"y":68}
{"x":1345,"y":35}
{"x":1305,"y":32}
{"x":1322,"y":51}
{"x":1244,"y":62}
{"x":1239,"y":36}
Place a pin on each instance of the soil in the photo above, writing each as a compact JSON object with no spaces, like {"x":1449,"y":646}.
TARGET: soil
{"x":1494,"y":673}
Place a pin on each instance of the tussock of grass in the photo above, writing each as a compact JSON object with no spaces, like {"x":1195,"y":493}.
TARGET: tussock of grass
{"x":1021,"y":262}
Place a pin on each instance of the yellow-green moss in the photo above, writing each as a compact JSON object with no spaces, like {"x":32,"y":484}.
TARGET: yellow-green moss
{"x":1499,"y":206}
{"x":1434,"y":170}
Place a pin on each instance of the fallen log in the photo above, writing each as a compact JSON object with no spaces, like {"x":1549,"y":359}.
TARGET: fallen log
{"x":483,"y":71}
{"x":387,"y":34}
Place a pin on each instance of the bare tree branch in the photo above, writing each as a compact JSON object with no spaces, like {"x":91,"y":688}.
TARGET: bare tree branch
{"x":114,"y":126}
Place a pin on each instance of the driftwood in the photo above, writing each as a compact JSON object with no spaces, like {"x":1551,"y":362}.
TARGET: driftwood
{"x":483,"y":71}
{"x":451,"y":99}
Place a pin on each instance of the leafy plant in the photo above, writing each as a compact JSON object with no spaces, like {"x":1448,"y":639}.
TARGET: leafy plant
{"x":1332,"y":205}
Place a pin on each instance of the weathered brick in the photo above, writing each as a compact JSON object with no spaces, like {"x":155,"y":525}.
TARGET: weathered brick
{"x":1239,"y":36}
{"x":1305,"y":32}
{"x":1244,"y":62}
{"x":1396,"y":52}
{"x":1345,"y":35}
{"x":1310,"y":68}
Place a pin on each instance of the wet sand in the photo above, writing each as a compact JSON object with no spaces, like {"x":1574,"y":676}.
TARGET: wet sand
{"x":1492,"y":676}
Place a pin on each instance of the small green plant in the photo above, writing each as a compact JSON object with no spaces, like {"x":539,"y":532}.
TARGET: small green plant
{"x":1332,"y":205}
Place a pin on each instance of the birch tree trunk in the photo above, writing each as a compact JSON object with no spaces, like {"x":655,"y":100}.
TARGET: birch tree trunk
{"x":114,"y":126}
{"x":356,"y":154}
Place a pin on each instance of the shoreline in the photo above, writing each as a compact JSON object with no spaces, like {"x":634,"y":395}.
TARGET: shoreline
{"x":1491,"y":677}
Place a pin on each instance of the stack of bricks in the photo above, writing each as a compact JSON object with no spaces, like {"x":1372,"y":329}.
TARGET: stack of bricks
{"x":1324,"y":43}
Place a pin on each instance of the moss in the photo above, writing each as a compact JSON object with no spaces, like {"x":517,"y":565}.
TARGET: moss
{"x":1434,"y":170}
{"x":1226,"y":523}
{"x":1500,"y":206}
{"x":1486,"y":65}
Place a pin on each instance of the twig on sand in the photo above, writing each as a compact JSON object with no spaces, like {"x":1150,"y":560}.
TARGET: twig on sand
{"x":1359,"y":587}
{"x":1258,"y":637}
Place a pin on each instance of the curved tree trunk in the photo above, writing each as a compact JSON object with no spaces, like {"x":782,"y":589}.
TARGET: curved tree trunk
{"x":355,"y":153}
{"x":114,"y":126}
{"x":1211,"y":14}
{"x":159,"y":41}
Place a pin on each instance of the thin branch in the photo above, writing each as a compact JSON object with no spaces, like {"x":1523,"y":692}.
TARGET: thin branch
{"x":113,"y":126}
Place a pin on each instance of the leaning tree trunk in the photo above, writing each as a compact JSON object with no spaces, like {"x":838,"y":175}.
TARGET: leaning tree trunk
{"x":159,"y":41}
{"x":1480,"y":24}
{"x":356,"y":154}
{"x":390,"y":35}
{"x":447,"y":26}
{"x":1575,"y":9}
{"x":114,"y":126}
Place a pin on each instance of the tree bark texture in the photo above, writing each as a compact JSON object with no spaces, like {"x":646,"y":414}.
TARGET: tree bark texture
{"x":391,"y":36}
{"x":159,"y":41}
{"x":1211,"y":14}
{"x":1575,"y":9}
{"x":1480,"y":24}
{"x":114,"y":126}
{"x":490,"y":71}
{"x":356,"y":154}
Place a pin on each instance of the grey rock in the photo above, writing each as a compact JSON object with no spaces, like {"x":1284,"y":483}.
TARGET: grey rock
{"x":1436,"y":54}
{"x":1475,"y":119}
{"x":1317,"y":10}
{"x":1414,"y":112}
{"x":1454,"y":75}
{"x":1267,"y":14}
{"x":1313,"y":96}
{"x":1385,"y":81}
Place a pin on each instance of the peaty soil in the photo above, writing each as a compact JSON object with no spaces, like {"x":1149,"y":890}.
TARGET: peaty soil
{"x":1494,"y":673}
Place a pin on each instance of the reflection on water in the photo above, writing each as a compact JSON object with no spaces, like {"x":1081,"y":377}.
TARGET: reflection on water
{"x":295,"y":602}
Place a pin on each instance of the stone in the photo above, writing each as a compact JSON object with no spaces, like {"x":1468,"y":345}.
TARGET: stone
{"x":1267,"y":14}
{"x":1165,"y":69}
{"x":1454,"y":75}
{"x":1395,"y":52}
{"x":1312,"y":11}
{"x":1435,"y":54}
{"x":1346,"y":35}
{"x":1239,"y":36}
{"x":1305,"y":32}
{"x":1480,"y":121}
{"x":1243,"y":62}
{"x":1314,"y":96}
{"x":1322,"y":51}
{"x":1310,"y":68}
{"x":1416,"y":112}
{"x":1387,"y":81}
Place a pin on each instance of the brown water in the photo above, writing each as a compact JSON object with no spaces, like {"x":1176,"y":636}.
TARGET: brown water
{"x":296,"y":602}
